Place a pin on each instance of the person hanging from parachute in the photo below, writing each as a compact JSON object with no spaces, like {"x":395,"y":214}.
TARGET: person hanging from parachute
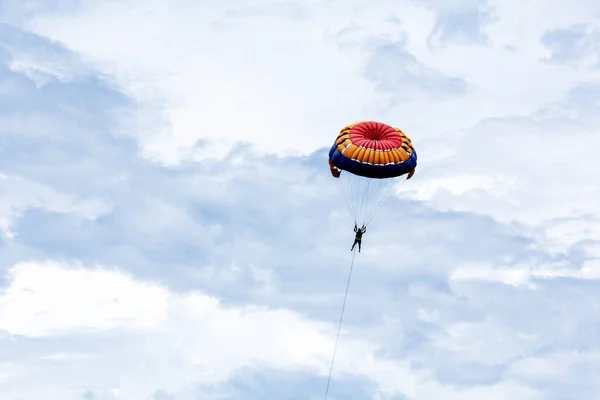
{"x":358,"y":236}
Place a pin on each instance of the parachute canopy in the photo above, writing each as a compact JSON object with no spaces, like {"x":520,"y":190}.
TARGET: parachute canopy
{"x":372,"y":155}
{"x":373,"y":150}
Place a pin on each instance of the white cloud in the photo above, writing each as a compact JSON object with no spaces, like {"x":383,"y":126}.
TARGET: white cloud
{"x":20,"y":195}
{"x":47,"y":299}
{"x":524,"y":274}
{"x":188,"y":339}
{"x":195,"y":330}
{"x":230,"y":73}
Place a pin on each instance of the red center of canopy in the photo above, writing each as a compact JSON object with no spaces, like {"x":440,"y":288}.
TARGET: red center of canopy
{"x":375,"y":135}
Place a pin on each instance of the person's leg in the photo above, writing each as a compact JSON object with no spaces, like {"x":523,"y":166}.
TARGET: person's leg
{"x":359,"y":246}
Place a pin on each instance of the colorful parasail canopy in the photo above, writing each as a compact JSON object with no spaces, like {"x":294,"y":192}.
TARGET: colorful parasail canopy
{"x":373,"y":150}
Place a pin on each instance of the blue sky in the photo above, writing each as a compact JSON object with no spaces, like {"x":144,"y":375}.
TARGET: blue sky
{"x":169,"y":229}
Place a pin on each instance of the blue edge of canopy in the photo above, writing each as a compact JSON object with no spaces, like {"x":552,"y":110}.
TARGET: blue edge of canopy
{"x":371,"y":171}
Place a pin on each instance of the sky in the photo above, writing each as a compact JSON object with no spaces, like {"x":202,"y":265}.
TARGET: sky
{"x":169,"y":228}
